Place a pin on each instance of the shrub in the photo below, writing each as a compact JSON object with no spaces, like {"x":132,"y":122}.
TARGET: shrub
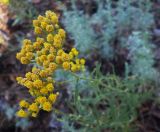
{"x":104,"y":102}
{"x":111,"y":21}
{"x":141,"y":56}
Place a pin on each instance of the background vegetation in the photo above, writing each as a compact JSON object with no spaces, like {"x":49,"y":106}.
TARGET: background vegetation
{"x":118,"y":92}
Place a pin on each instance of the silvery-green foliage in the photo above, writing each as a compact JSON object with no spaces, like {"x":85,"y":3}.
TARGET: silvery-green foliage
{"x":80,"y":30}
{"x":7,"y":109}
{"x":22,"y":10}
{"x":23,"y":123}
{"x":141,"y":56}
{"x":10,"y":114}
{"x":112,"y":23}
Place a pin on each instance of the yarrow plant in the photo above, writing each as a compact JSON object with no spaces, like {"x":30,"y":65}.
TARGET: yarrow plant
{"x":47,"y":52}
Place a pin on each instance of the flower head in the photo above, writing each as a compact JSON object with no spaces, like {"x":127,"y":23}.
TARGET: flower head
{"x":47,"y":106}
{"x":22,"y":113}
{"x":48,"y":55}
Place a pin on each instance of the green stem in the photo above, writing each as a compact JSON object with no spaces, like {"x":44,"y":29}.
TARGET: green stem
{"x":76,"y":92}
{"x":83,"y":78}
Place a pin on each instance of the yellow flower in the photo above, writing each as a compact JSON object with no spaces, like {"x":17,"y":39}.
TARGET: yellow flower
{"x":38,"y":30}
{"x":56,"y":26}
{"x":39,"y":53}
{"x":52,"y":97}
{"x":33,"y":107}
{"x":73,"y":68}
{"x":26,"y":42}
{"x":48,"y":55}
{"x":51,"y":57}
{"x":58,"y":59}
{"x":19,"y":55}
{"x":41,"y":99}
{"x":43,"y":58}
{"x":62,"y":33}
{"x":24,"y":60}
{"x":23,"y":104}
{"x":34,"y":76}
{"x":22,"y":113}
{"x":23,"y":81}
{"x":44,"y":51}
{"x":38,"y":83}
{"x":38,"y":61}
{"x":66,"y":65}
{"x":34,"y":114}
{"x":36,"y":93}
{"x":29,"y":55}
{"x":40,"y":40}
{"x":47,"y":46}
{"x":49,"y":28}
{"x":57,"y":41}
{"x":50,"y":38}
{"x":49,"y":14}
{"x":37,"y":45}
{"x":65,"y":57}
{"x":52,"y":50}
{"x":50,"y":87}
{"x":60,"y":52}
{"x":29,"y":48}
{"x":4,"y":2}
{"x":35,"y":23}
{"x":54,"y":19}
{"x":46,"y":64}
{"x":53,"y":66}
{"x":43,"y":73}
{"x":43,"y":25}
{"x":75,"y":51}
{"x":23,"y":51}
{"x":49,"y":71}
{"x":47,"y":106}
{"x":71,"y":55}
{"x":77,"y":61}
{"x":44,"y":91}
{"x":82,"y":61}
{"x":35,"y":70}
{"x":40,"y":18}
{"x":28,"y":84}
{"x":47,"y":20}
{"x":19,"y":79}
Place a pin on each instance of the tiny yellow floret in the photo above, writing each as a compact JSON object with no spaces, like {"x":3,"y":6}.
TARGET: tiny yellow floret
{"x":33,"y":107}
{"x":24,"y":104}
{"x":47,"y":106}
{"x":22,"y":113}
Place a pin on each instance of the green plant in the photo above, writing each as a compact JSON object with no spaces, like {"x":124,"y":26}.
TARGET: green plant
{"x":104,"y":102}
{"x":114,"y":20}
{"x":141,"y":56}
{"x":112,"y":26}
{"x":47,"y":54}
{"x":22,"y":10}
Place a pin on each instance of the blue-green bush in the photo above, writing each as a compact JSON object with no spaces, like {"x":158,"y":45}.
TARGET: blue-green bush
{"x":116,"y":24}
{"x":113,"y":22}
{"x":141,"y":56}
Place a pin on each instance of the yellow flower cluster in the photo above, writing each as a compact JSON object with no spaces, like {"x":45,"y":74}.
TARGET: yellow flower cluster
{"x":48,"y":54}
{"x":4,"y":2}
